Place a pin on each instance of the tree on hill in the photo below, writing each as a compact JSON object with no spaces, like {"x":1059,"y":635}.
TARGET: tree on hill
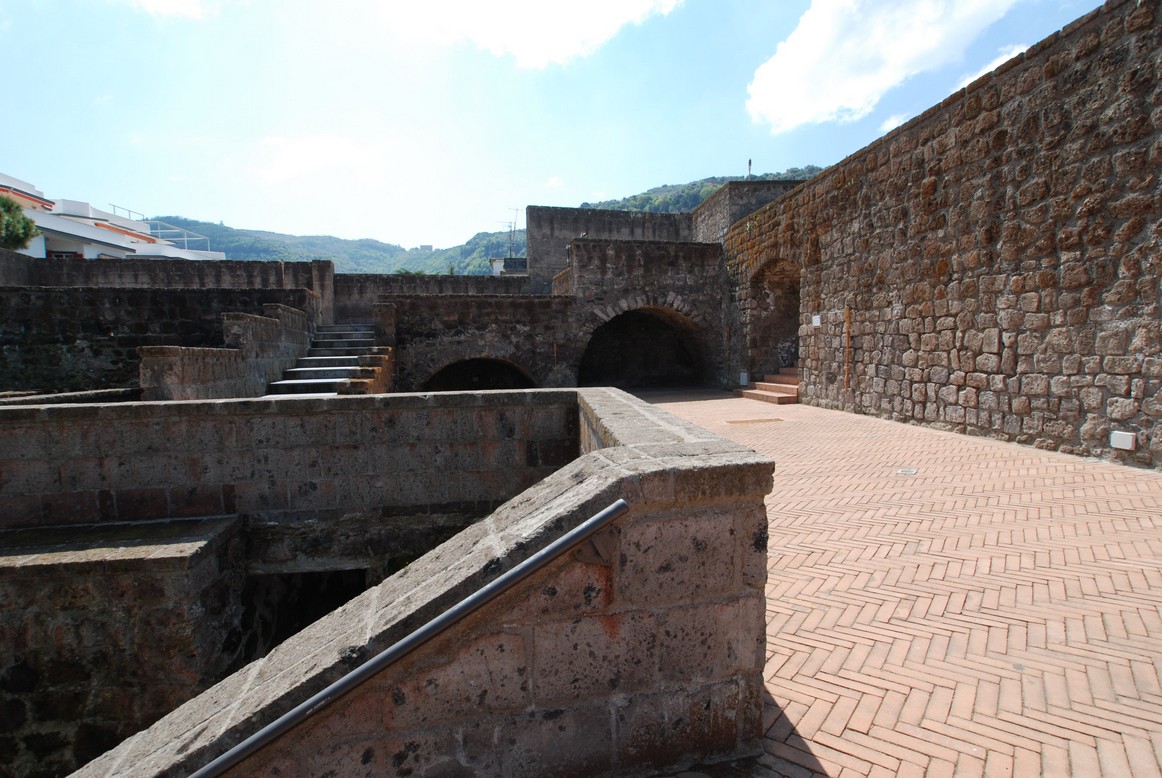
{"x":16,"y":229}
{"x":681,"y":198}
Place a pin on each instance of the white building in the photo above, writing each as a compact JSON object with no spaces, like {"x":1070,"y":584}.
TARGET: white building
{"x":70,"y":229}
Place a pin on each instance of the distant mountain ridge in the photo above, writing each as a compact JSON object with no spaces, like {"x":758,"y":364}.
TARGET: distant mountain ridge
{"x":373,"y":256}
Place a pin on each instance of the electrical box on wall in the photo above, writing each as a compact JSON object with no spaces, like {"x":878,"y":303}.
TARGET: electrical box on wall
{"x":816,"y":320}
{"x":1126,"y":441}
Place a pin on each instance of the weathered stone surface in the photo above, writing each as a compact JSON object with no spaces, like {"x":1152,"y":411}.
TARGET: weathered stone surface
{"x":1015,"y":240}
{"x":567,"y":671}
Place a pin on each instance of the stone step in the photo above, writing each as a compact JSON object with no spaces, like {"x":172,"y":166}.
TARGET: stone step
{"x":346,"y":326}
{"x":345,"y":335}
{"x":769,"y":397}
{"x":782,"y":379}
{"x":789,"y":370}
{"x":303,"y":373}
{"x":306,"y":386}
{"x":328,"y":362}
{"x":355,"y":351}
{"x":318,"y":342}
{"x":764,"y":386}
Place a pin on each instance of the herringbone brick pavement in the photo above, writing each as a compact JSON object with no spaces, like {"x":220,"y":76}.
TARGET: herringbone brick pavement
{"x":943,"y":605}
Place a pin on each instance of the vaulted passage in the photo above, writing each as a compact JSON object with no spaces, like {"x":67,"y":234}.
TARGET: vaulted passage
{"x":472,"y":374}
{"x":773,"y":318}
{"x":642,"y":348}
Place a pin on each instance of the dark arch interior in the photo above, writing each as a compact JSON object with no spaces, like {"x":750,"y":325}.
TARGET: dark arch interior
{"x":641,"y":349}
{"x":774,"y":318}
{"x":474,"y":374}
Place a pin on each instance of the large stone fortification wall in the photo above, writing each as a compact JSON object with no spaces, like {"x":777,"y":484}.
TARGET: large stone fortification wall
{"x":645,"y":657}
{"x":116,"y":605}
{"x":549,"y":231}
{"x":992,"y":267}
{"x":74,"y":338}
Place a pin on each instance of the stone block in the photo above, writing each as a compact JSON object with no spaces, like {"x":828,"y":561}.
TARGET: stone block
{"x":593,"y":656}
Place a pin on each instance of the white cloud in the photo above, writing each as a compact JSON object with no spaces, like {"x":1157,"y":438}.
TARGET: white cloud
{"x":893,"y":121}
{"x":844,"y":55}
{"x":189,"y":9}
{"x":1004,"y":56}
{"x":554,"y":182}
{"x":536,"y":33}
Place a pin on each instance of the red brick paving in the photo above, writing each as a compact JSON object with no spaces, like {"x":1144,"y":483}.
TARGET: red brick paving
{"x":944,"y":605}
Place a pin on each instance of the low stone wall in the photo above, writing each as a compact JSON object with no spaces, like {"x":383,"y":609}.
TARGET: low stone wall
{"x":76,"y":339}
{"x":258,"y":350}
{"x":320,"y":485}
{"x":647,"y":659}
{"x":731,"y":202}
{"x":106,"y":629}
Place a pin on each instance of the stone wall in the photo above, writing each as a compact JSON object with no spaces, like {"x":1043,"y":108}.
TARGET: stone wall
{"x":991,"y":267}
{"x":88,"y":498}
{"x":73,"y":338}
{"x":101,"y":637}
{"x":550,"y":230}
{"x":684,"y":284}
{"x":647,"y":657}
{"x":258,"y":350}
{"x":356,"y":294}
{"x":732,"y":201}
{"x":533,"y":333}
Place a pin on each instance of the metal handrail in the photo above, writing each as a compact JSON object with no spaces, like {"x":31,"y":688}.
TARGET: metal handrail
{"x":397,"y":651}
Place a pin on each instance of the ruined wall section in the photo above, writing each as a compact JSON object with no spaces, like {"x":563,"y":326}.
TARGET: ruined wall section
{"x":549,"y":231}
{"x":357,"y":294}
{"x":532,"y":333}
{"x":992,"y":266}
{"x":732,"y":201}
{"x":643,"y":659}
{"x":684,"y":284}
{"x":75,"y":338}
{"x":258,"y":350}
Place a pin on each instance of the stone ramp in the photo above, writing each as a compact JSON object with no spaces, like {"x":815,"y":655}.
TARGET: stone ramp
{"x":945,"y":605}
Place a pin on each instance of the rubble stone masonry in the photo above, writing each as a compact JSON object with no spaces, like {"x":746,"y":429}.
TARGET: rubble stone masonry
{"x":992,"y":267}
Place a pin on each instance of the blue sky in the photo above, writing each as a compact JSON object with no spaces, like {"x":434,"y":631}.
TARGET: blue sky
{"x":426,"y":122}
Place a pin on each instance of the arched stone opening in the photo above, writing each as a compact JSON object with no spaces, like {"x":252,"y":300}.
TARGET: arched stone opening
{"x":476,"y":374}
{"x":643,"y":348}
{"x":773,"y":317}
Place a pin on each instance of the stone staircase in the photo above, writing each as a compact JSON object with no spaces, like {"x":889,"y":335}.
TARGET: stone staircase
{"x":780,"y":389}
{"x":342,"y":359}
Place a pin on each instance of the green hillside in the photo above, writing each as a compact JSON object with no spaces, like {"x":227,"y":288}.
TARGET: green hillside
{"x":677,"y":198}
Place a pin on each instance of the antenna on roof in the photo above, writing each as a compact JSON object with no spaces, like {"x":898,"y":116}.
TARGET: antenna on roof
{"x":748,"y":170}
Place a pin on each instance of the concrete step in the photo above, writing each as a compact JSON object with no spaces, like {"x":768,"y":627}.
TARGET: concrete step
{"x":345,"y":335}
{"x":789,"y":370}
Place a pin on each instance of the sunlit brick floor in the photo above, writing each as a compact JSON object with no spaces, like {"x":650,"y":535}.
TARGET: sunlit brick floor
{"x":945,"y":605}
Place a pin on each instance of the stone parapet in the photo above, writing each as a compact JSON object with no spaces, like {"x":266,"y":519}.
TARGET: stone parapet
{"x":259,"y":349}
{"x":645,"y":657}
{"x":106,"y":628}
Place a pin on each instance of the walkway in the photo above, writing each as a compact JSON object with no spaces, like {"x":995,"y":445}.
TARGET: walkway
{"x":943,"y":605}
